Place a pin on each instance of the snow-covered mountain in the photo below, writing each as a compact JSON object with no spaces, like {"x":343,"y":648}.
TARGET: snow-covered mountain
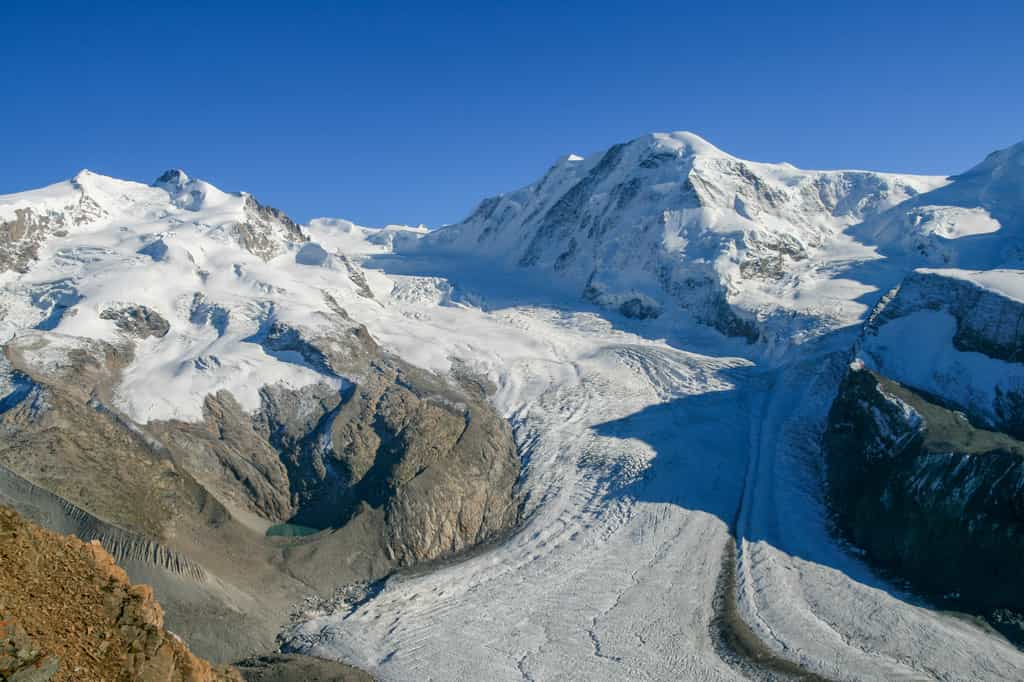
{"x":185,"y":369}
{"x":670,"y":220}
{"x":955,"y":334}
{"x":183,"y":376}
{"x":207,"y":269}
{"x":975,"y":221}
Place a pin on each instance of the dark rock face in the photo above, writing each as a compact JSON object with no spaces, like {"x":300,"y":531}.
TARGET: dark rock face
{"x":21,"y":237}
{"x":431,"y":457}
{"x":926,"y":493}
{"x":639,"y":309}
{"x":137,"y":320}
{"x":175,"y":177}
{"x":356,"y":276}
{"x":929,"y":480}
{"x":427,"y":458}
{"x":59,"y":433}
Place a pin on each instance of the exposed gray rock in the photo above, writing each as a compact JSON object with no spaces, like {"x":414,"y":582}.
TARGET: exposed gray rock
{"x":21,"y":660}
{"x":356,"y":276}
{"x":137,"y":321}
{"x":21,"y":236}
{"x":434,"y":457}
{"x":61,"y":436}
{"x":174,"y":178}
{"x":266,"y":230}
{"x":230,"y":459}
{"x":930,"y":481}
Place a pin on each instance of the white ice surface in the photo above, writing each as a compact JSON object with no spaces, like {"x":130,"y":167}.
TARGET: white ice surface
{"x":1005,"y":282}
{"x":639,"y":457}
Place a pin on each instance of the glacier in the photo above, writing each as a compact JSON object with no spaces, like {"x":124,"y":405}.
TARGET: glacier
{"x":665,"y":326}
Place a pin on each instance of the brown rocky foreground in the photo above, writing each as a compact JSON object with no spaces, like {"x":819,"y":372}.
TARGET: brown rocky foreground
{"x":68,"y":612}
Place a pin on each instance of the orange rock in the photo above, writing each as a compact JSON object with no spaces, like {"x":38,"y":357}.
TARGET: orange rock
{"x":61,"y":596}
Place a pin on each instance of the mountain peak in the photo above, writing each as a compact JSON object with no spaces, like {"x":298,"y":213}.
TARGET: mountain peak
{"x":174,"y":177}
{"x":682,"y":140}
{"x":1007,"y":161}
{"x":86,"y":175}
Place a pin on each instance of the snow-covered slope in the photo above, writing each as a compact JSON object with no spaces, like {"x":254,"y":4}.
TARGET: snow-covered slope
{"x":670,"y":220}
{"x":975,"y":221}
{"x":212,"y":270}
{"x":955,"y":334}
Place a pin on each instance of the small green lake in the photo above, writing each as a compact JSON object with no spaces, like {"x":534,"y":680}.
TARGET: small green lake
{"x":290,"y":530}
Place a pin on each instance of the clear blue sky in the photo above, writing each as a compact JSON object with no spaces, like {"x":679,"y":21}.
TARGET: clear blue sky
{"x":393,"y":112}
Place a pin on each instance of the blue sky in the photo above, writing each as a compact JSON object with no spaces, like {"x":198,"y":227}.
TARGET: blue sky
{"x":392,"y":112}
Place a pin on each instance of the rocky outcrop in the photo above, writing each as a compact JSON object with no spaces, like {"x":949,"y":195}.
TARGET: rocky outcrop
{"x":262,"y":230}
{"x":425,"y":457}
{"x":60,"y":432}
{"x":924,"y":472}
{"x":427,"y":453}
{"x":232,"y":435}
{"x":137,"y":321}
{"x":265,"y":230}
{"x":68,"y":612}
{"x":437,"y":461}
{"x":912,"y":482}
{"x":26,"y":229}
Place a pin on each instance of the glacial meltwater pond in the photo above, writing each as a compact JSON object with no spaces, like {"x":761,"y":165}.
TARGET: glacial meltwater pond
{"x":290,"y":530}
